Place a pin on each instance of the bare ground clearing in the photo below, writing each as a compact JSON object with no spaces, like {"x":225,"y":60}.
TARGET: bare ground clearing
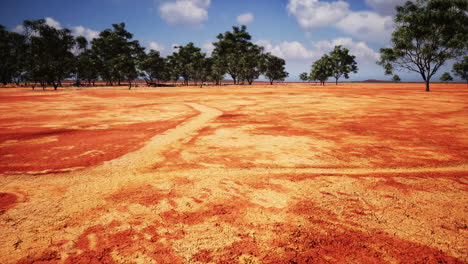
{"x":292,"y":173}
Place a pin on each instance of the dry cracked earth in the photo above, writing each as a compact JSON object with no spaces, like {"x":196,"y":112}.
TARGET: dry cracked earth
{"x":290,"y":173}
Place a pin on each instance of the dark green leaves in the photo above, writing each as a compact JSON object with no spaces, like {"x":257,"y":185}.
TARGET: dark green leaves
{"x":427,"y":34}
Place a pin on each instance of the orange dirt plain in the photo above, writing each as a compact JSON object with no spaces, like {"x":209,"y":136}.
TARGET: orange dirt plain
{"x":290,"y":173}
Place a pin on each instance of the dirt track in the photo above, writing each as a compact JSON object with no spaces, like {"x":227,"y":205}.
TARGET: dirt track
{"x":359,"y":173}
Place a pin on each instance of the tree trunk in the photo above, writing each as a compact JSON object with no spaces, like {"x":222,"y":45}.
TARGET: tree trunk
{"x":55,"y":86}
{"x":336,"y":82}
{"x":130,"y":85}
{"x":271,"y":82}
{"x":427,"y":86}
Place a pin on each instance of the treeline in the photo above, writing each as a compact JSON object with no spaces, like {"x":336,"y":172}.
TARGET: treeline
{"x":46,"y":56}
{"x":338,"y":63}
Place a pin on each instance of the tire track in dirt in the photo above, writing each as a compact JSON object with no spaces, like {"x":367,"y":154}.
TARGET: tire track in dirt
{"x":151,"y":153}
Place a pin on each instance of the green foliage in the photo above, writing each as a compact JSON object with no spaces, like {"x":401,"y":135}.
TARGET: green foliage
{"x":322,"y":69}
{"x":218,"y":69}
{"x":186,"y":62}
{"x":233,"y":50}
{"x":427,"y":34}
{"x":116,"y":54}
{"x":396,"y":78}
{"x":49,"y":53}
{"x":342,"y":63}
{"x":87,"y":67}
{"x":251,"y":63}
{"x":446,"y":77}
{"x":303,"y":76}
{"x":153,"y":67}
{"x":12,"y":56}
{"x":460,"y":68}
{"x":274,"y":68}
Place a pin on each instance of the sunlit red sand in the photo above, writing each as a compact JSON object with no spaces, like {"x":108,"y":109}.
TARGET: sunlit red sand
{"x":293,"y":173}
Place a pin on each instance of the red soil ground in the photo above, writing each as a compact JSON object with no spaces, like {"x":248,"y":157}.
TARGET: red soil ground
{"x":291,"y":173}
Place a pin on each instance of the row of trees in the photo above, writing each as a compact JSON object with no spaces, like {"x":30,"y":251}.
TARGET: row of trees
{"x":46,"y":55}
{"x":338,"y":63}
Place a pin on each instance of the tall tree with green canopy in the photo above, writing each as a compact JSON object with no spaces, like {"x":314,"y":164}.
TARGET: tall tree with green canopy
{"x":304,"y":77}
{"x":218,"y":70}
{"x":50,"y":58}
{"x":116,"y":54}
{"x":321,"y":69}
{"x":88,"y":67}
{"x":427,"y":34}
{"x":342,"y":63}
{"x":80,"y":65}
{"x":251,"y":63}
{"x":230,"y":48}
{"x":460,"y":68}
{"x":12,"y":56}
{"x":204,"y":70}
{"x":186,"y":61}
{"x":154,"y":67}
{"x":274,"y":68}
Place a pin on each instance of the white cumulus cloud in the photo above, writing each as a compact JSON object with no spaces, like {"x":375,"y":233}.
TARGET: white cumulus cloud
{"x":367,"y":26}
{"x":245,"y":18}
{"x":296,"y":51}
{"x":373,"y":26}
{"x":312,"y":14}
{"x":208,"y":47}
{"x":364,"y":54}
{"x":88,"y":33}
{"x":288,"y":50}
{"x":156,"y":46}
{"x":19,"y":29}
{"x":76,"y":31}
{"x":53,"y":23}
{"x":184,"y":12}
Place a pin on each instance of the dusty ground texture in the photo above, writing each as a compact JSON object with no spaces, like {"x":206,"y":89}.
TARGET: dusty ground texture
{"x":294,"y":173}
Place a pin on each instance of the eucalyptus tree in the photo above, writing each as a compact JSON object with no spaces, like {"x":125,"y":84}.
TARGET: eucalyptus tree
{"x":251,"y":63}
{"x":116,"y":54}
{"x":218,"y":70}
{"x":230,"y":49}
{"x":274,"y":68}
{"x":342,"y":63}
{"x":322,"y":69}
{"x":49,"y":54}
{"x":427,"y":34}
{"x":203,"y":72}
{"x":186,"y":62}
{"x":80,"y":65}
{"x":153,"y":66}
{"x":12,"y":56}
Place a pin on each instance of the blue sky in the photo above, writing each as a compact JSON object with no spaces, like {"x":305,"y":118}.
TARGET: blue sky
{"x":299,"y":31}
